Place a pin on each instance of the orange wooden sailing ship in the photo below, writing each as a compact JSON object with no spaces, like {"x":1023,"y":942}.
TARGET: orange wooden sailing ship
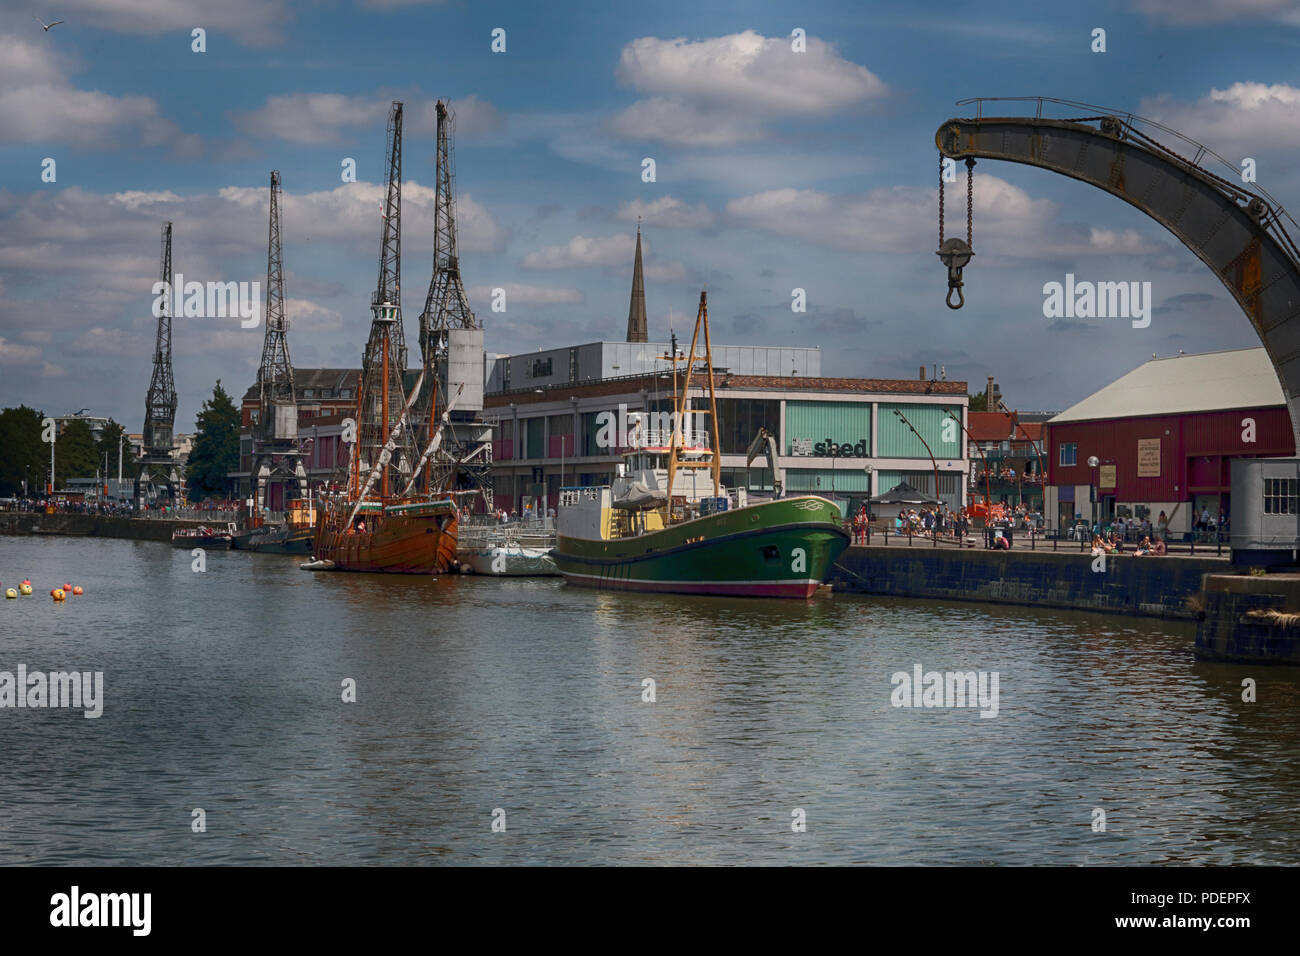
{"x":374,"y":526}
{"x":371,"y":527}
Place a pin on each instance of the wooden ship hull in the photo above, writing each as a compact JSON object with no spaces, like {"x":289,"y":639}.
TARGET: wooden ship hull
{"x":417,"y":538}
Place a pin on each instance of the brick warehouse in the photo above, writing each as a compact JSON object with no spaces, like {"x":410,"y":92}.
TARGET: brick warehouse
{"x":1164,"y":437}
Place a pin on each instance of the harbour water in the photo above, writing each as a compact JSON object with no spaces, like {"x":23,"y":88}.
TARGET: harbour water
{"x":223,"y":691}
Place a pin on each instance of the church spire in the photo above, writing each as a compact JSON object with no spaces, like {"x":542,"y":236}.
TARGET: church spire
{"x":637,"y":330}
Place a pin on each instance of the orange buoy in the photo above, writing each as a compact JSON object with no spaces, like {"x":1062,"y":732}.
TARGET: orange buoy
{"x":67,"y":587}
{"x":25,"y":588}
{"x":77,"y":590}
{"x":27,"y":581}
{"x":58,"y":594}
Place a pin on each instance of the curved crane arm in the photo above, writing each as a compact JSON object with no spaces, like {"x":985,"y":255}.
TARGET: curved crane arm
{"x":1233,"y":231}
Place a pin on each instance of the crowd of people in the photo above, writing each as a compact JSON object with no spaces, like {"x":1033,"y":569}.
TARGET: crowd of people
{"x":1005,"y":473}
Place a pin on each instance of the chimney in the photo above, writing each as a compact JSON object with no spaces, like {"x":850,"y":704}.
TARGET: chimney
{"x":923,"y":373}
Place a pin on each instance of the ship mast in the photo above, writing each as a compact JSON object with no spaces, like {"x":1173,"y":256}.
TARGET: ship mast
{"x":714,"y":462}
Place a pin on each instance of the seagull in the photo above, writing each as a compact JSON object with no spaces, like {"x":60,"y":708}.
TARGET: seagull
{"x":45,"y":25}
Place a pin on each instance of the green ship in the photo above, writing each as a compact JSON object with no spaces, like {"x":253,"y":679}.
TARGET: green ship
{"x":652,"y":529}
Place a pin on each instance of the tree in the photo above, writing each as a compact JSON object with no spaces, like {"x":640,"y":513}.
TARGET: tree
{"x":109,"y":440}
{"x":216,"y":447}
{"x":980,"y":402}
{"x":75,"y":454}
{"x":23,"y":456}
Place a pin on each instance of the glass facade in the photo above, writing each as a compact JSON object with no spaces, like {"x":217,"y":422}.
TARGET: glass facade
{"x":739,"y":420}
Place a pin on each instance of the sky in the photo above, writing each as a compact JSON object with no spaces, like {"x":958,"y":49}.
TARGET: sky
{"x":775,"y":170}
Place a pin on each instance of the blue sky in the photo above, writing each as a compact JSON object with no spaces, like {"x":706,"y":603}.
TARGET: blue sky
{"x":774,"y":171}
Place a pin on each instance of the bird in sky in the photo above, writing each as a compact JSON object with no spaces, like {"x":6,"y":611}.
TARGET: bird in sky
{"x":45,"y":25}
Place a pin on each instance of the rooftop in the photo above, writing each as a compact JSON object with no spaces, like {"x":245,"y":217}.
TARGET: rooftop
{"x":1180,"y":384}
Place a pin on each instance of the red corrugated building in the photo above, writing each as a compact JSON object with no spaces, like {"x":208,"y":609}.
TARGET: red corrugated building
{"x":1163,"y":437}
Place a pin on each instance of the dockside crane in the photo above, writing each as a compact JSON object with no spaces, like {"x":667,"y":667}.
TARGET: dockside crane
{"x":277,"y":455}
{"x":1240,"y":233}
{"x":381,"y":397}
{"x":451,"y":343}
{"x":158,"y":464}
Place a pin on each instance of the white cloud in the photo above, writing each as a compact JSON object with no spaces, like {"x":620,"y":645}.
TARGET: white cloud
{"x":719,"y":91}
{"x":667,"y":211}
{"x":517,"y":295}
{"x":134,"y":199}
{"x":307,"y":316}
{"x":325,"y":118}
{"x":11,"y":353}
{"x":1239,"y":121}
{"x":1201,"y":12}
{"x":351,"y":212}
{"x":254,"y":22}
{"x":581,"y":252}
{"x":39,"y":104}
{"x":901,"y":220}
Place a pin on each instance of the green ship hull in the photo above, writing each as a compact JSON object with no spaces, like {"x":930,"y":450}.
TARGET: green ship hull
{"x":781,"y":548}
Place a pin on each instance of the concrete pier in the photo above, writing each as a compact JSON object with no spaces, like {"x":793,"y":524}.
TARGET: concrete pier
{"x":1167,"y":587}
{"x":1251,"y":619}
{"x":95,"y":526}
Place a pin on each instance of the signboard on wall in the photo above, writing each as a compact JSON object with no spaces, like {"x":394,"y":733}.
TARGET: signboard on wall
{"x":801,"y":446}
{"x":1107,"y":477}
{"x":1148,"y":458}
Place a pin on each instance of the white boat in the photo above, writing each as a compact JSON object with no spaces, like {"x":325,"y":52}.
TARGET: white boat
{"x":506,"y":550}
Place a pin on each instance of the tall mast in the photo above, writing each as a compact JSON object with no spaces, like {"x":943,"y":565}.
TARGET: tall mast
{"x":160,"y":402}
{"x":714,"y":464}
{"x":384,"y":360}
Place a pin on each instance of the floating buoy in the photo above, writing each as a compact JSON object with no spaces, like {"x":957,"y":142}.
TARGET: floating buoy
{"x":11,"y":594}
{"x":27,"y":582}
{"x":77,"y":590}
{"x":67,"y":587}
{"x":25,"y":588}
{"x":58,"y":594}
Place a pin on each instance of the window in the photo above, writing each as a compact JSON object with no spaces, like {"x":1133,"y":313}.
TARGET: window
{"x":1279,"y":496}
{"x":1069,"y":454}
{"x":345,"y":393}
{"x":541,"y":368}
{"x":309,"y":393}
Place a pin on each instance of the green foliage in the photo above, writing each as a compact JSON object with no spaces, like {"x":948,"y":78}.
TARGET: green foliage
{"x":22,"y":453}
{"x":75,"y":453}
{"x":216,"y":447}
{"x":109,"y":441}
{"x":980,"y":402}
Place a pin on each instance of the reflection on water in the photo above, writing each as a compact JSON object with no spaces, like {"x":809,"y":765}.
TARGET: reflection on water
{"x":223,"y":691}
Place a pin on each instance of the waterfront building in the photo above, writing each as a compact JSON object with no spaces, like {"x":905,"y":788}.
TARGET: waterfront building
{"x":325,"y":397}
{"x":1164,"y":437}
{"x":555,"y":412}
{"x":1009,"y":446}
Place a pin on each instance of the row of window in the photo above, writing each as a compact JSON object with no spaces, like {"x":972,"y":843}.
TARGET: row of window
{"x":1280,"y":496}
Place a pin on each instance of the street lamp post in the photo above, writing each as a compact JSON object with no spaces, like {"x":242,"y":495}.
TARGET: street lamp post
{"x":1093,"y":462}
